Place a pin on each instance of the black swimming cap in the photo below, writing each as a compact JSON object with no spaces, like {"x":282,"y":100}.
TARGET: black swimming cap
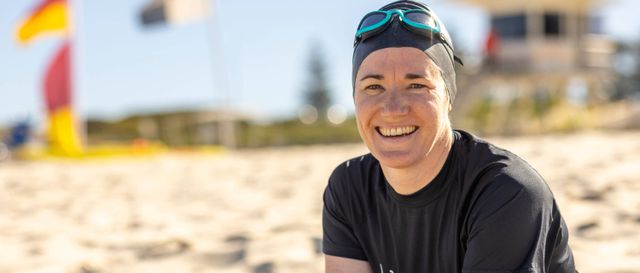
{"x":397,"y":35}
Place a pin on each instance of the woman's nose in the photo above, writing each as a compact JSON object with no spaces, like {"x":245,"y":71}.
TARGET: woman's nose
{"x":394,"y":104}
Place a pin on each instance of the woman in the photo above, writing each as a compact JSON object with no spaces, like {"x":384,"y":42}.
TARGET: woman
{"x":428,"y":198}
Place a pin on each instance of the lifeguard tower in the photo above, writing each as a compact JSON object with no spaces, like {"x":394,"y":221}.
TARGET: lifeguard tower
{"x":546,"y":38}
{"x":545,"y":47}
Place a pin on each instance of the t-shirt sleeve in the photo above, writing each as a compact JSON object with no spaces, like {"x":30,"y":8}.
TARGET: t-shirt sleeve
{"x":338,"y":236}
{"x":513,"y":227}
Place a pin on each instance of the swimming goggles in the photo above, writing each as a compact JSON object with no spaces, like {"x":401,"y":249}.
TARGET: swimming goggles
{"x":420,"y":21}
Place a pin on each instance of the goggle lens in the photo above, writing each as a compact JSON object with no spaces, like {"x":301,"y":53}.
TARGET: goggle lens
{"x":421,"y":18}
{"x":372,"y":19}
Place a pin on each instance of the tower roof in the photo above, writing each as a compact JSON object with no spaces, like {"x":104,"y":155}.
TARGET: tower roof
{"x":497,"y":5}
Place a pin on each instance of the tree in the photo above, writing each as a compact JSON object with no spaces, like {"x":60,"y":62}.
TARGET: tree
{"x":317,"y":92}
{"x":627,"y":69}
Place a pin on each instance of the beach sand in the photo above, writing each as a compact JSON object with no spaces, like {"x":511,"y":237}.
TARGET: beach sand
{"x":260,"y":210}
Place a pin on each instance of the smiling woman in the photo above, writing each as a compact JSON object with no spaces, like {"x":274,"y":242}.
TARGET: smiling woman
{"x":402,"y":109}
{"x":429,"y":198}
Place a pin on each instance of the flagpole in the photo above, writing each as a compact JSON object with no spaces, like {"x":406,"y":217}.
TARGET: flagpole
{"x":226,"y":126}
{"x":73,"y":18}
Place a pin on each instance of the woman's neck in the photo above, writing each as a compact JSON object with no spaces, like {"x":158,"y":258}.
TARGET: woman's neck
{"x":411,"y":179}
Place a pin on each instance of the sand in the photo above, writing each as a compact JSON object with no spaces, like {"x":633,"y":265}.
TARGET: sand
{"x":260,"y":210}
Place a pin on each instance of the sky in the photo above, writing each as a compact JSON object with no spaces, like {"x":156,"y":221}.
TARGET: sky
{"x":252,"y":55}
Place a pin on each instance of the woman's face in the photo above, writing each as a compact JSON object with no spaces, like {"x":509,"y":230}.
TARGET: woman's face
{"x":401,"y":105}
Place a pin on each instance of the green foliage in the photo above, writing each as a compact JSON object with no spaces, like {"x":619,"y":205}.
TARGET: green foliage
{"x":539,"y":112}
{"x":293,"y":132}
{"x":317,"y":92}
{"x":480,"y":113}
{"x":115,"y":132}
{"x":248,"y":134}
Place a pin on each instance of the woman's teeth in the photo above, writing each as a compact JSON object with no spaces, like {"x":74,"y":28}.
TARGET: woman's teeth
{"x":399,"y":131}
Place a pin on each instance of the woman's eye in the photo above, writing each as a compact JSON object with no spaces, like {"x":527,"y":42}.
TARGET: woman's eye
{"x":417,"y":86}
{"x":373,"y":87}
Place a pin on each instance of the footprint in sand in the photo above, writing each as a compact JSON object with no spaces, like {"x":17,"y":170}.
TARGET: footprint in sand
{"x":317,"y":245}
{"x":222,"y":259}
{"x":237,"y":239}
{"x":264,"y":268}
{"x":228,"y":258}
{"x":583,"y":228}
{"x":162,"y":249}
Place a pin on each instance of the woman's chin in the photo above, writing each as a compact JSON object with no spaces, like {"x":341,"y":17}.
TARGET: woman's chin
{"x":396,"y":159}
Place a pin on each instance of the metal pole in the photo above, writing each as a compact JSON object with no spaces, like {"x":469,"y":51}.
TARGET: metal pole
{"x":226,"y":128}
{"x":73,"y":19}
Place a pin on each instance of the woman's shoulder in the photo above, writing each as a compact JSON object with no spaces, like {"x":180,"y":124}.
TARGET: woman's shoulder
{"x":483,"y":156}
{"x":355,"y":173}
{"x":488,"y":168}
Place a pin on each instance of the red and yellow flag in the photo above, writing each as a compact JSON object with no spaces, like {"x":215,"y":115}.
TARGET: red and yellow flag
{"x":49,"y":17}
{"x":62,"y":130}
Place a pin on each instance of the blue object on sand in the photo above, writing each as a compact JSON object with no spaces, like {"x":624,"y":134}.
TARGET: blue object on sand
{"x":18,"y":135}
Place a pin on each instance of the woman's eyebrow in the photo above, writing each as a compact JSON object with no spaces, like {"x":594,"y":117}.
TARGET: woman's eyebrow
{"x":413,"y":76}
{"x":372,"y":76}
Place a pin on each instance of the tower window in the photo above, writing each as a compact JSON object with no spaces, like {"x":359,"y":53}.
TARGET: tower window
{"x":552,"y":24}
{"x":510,"y":26}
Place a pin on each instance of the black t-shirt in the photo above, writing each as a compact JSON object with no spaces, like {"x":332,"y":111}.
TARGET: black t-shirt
{"x":486,"y":211}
